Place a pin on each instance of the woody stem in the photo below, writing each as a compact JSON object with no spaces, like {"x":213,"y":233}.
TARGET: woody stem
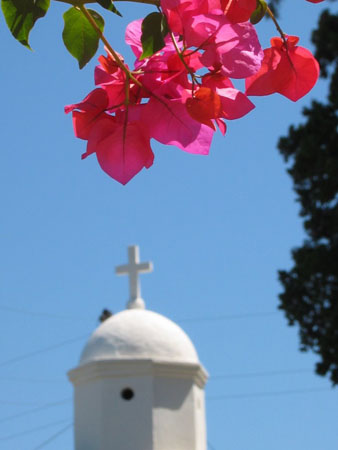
{"x":181,"y":56}
{"x":282,"y":36}
{"x":280,"y":31}
{"x":110,"y":49}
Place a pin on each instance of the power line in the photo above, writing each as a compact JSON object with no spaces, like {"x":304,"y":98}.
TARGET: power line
{"x":31,"y":380}
{"x":211,"y":447}
{"x":260,"y":374}
{"x":229,"y":317}
{"x":267,"y":394}
{"x":32,"y":430}
{"x":34,"y":410}
{"x":9,"y":402}
{"x":184,"y":320}
{"x":41,"y":314}
{"x":53,"y":437}
{"x":43,"y":350}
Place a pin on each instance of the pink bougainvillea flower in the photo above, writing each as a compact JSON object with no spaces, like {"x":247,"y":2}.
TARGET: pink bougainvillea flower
{"x":204,"y":105}
{"x":288,"y":69}
{"x":179,"y":94}
{"x":234,"y":103}
{"x":201,"y":30}
{"x":212,"y":102}
{"x":133,"y":36}
{"x":100,"y":129}
{"x":112,"y":79}
{"x":176,"y":12}
{"x":123,"y":150}
{"x":238,"y":10}
{"x":216,"y":80}
{"x":122,"y":146}
{"x":234,"y":48}
{"x":108,"y":63}
{"x":88,"y":112}
{"x":175,"y":78}
{"x":174,"y":126}
{"x":114,"y":86}
{"x":95,"y":101}
{"x":164,"y":73}
{"x":221,"y":126}
{"x":245,"y":58}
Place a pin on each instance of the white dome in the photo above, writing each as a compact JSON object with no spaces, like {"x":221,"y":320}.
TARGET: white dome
{"x":139,"y":334}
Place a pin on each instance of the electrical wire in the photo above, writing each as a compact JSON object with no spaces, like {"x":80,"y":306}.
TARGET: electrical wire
{"x":41,"y":314}
{"x":183,"y":320}
{"x":34,"y":410}
{"x":43,"y":350}
{"x":211,"y":447}
{"x":32,"y":380}
{"x":32,"y":430}
{"x":270,"y":373}
{"x":228,"y":317}
{"x":267,"y":394}
{"x":11,"y":403}
{"x":53,"y":437}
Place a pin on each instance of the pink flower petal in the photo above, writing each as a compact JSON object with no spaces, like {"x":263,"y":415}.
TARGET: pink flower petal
{"x":234,"y":46}
{"x":124,"y":152}
{"x":96,"y":100}
{"x":174,"y":126}
{"x":291,"y":73}
{"x":133,"y":36}
{"x":235,"y":104}
{"x":221,"y":125}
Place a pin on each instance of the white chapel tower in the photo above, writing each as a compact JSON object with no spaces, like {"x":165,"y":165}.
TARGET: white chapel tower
{"x":139,"y":383}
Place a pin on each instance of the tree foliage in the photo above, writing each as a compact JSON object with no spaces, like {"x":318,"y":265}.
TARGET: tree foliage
{"x":310,"y":297}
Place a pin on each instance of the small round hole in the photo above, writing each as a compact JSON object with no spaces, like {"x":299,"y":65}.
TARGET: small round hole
{"x":127,"y":394}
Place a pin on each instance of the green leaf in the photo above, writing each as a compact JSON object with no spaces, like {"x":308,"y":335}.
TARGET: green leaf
{"x":154,"y":30}
{"x":21,"y":15}
{"x":108,"y":4}
{"x":259,"y":12}
{"x":79,"y":37}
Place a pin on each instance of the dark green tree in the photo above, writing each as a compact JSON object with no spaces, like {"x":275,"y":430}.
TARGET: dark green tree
{"x":310,"y":296}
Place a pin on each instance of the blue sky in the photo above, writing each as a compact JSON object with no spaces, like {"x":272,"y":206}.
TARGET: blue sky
{"x":217,"y":229}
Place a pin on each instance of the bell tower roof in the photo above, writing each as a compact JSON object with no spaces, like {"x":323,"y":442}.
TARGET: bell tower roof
{"x":139,"y":334}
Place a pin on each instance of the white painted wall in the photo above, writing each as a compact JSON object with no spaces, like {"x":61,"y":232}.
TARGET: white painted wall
{"x":166,"y":413}
{"x":103,"y":420}
{"x":178,"y":415}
